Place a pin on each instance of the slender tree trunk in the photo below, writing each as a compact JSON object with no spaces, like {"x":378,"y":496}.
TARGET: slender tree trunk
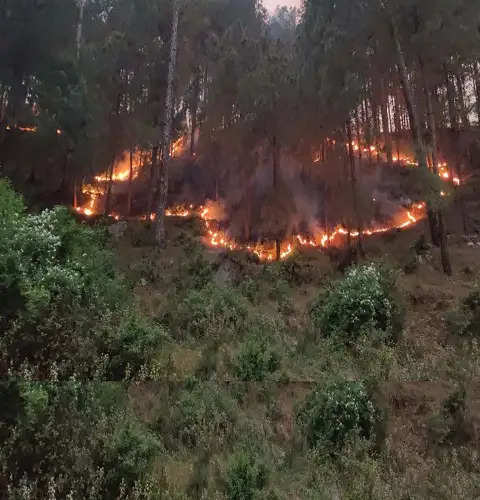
{"x":275,"y":161}
{"x":81,"y":8}
{"x":154,"y":175}
{"x":433,"y":217}
{"x":163,"y":178}
{"x":353,"y":184}
{"x":75,"y":187}
{"x":108,"y":198}
{"x":461,"y":99}
{"x":130,"y":184}
{"x":446,"y":264}
{"x":416,"y":133}
{"x":438,"y":229}
{"x":194,"y":110}
{"x":452,"y":108}
{"x":385,"y":122}
{"x":359,"y":134}
{"x":476,"y":79}
{"x":275,"y":153}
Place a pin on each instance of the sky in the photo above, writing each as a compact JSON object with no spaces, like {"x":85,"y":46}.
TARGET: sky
{"x":272,"y":4}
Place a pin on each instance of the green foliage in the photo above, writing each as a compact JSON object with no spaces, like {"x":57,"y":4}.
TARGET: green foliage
{"x":250,"y":288}
{"x":363,"y":301}
{"x":72,"y":439}
{"x":465,"y":321}
{"x":334,"y":413}
{"x":203,"y":416}
{"x":246,"y":475}
{"x":65,"y":310}
{"x":256,"y":359}
{"x":211,"y":311}
{"x":450,"y":425}
{"x":11,"y":204}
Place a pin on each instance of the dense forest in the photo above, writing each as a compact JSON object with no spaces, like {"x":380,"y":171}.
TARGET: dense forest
{"x":239,"y":249}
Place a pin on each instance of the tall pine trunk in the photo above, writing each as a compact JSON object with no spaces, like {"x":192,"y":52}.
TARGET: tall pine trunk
{"x":163,"y":177}
{"x":108,"y":198}
{"x":130,"y":184}
{"x":461,"y":100}
{"x":417,"y":137}
{"x":194,"y":110}
{"x":385,"y":122}
{"x":353,"y":185}
{"x":476,"y":79}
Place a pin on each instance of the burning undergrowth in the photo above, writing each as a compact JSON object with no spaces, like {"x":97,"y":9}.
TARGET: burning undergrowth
{"x":270,"y":211}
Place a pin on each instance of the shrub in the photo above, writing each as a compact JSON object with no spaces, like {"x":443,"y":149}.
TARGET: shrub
{"x":246,"y":475}
{"x":361,"y":302}
{"x":334,"y":413}
{"x":203,"y":416}
{"x":256,"y":359}
{"x":64,"y":309}
{"x":210,"y":311}
{"x":66,"y":442}
{"x":465,"y":321}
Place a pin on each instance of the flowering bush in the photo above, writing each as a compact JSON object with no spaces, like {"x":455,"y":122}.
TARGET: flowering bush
{"x":361,"y":302}
{"x":64,"y":310}
{"x":336,"y":412}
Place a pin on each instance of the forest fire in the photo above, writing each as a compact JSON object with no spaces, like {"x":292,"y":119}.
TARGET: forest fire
{"x":129,"y":168}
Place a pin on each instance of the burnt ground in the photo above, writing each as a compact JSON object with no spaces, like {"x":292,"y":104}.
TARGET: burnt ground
{"x":419,"y":454}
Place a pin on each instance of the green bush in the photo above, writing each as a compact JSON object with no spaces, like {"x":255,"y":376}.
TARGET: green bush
{"x":465,"y":321}
{"x":210,"y":311}
{"x":64,"y":309}
{"x":246,"y":476}
{"x":335,"y":413}
{"x":203,"y":416}
{"x":71,"y":440}
{"x":256,"y":359}
{"x":363,"y":301}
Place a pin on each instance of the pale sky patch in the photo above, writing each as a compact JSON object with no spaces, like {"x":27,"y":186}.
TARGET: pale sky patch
{"x":271,"y":5}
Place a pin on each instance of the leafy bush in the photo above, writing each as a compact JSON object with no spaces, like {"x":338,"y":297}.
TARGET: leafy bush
{"x":203,"y":416}
{"x":64,"y":309}
{"x":465,"y":321}
{"x":210,"y":311}
{"x":256,"y":359}
{"x":246,"y":475}
{"x":332,"y":414}
{"x":71,"y":440}
{"x":361,"y":302}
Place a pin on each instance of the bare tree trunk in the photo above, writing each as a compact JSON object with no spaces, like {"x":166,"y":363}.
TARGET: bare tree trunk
{"x":278,"y":253}
{"x":75,"y":199}
{"x":359,"y":134}
{"x":438,"y":228}
{"x":353,"y":184}
{"x":446,"y":264}
{"x":416,"y":133}
{"x":452,"y":108}
{"x":275,"y":161}
{"x":163,"y":178}
{"x":476,"y":78}
{"x":81,"y":7}
{"x":130,"y":184}
{"x":385,"y":123}
{"x":108,"y":198}
{"x":194,"y":110}
{"x":152,"y":198}
{"x":461,"y":99}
